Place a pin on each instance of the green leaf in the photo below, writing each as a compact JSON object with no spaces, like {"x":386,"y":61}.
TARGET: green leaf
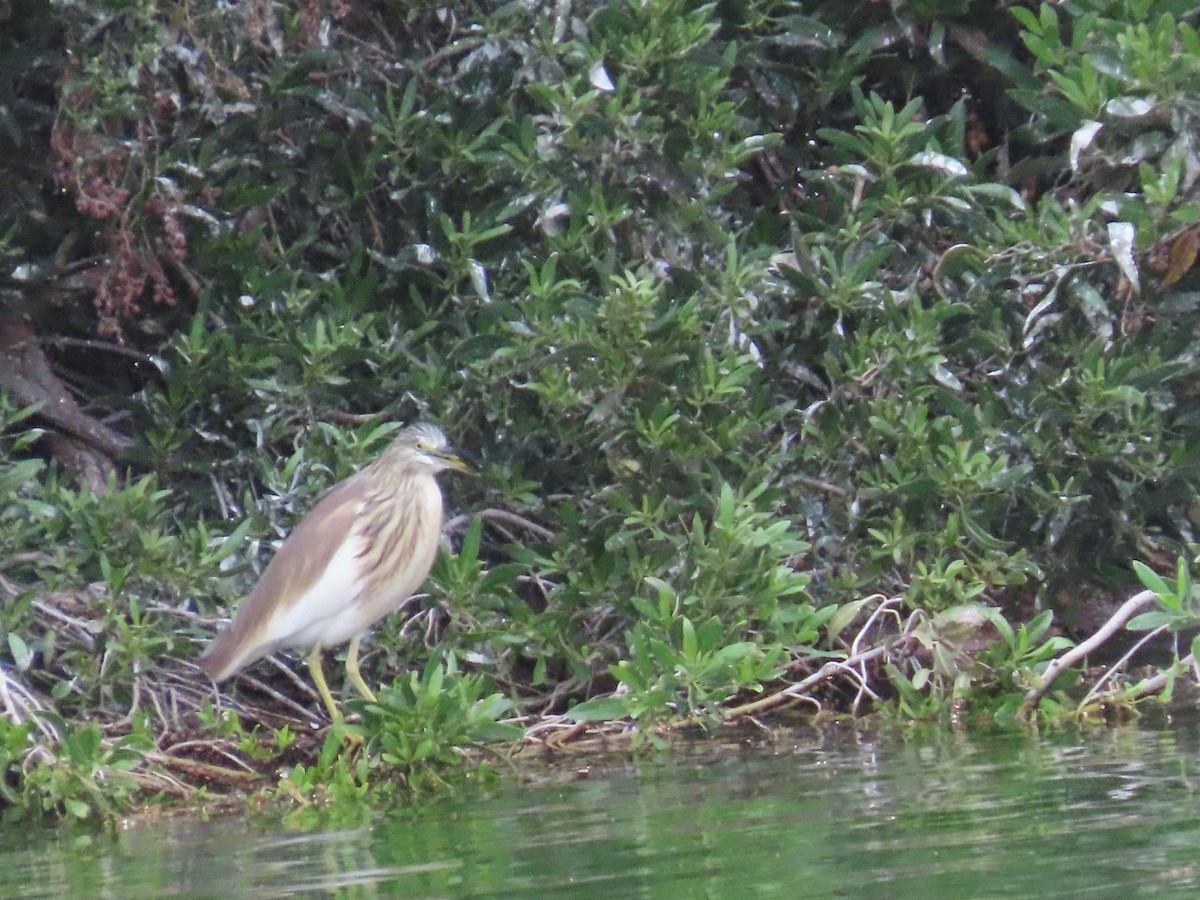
{"x":598,"y":709}
{"x":1038,"y":625}
{"x":690,"y":646}
{"x":21,"y":654}
{"x":18,"y":474}
{"x":1154,"y":582}
{"x":1149,"y":621}
{"x":233,"y":541}
{"x":1183,"y":580}
{"x":495,"y":731}
{"x":471,"y":541}
{"x":732,"y":653}
{"x":845,"y":614}
{"x":1027,"y":19}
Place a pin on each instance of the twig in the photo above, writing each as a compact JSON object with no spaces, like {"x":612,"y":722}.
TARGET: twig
{"x":32,"y":556}
{"x":222,"y":495}
{"x":1156,"y":684}
{"x":306,"y":715}
{"x":799,"y":688}
{"x":156,"y":701}
{"x":10,"y":707}
{"x":462,"y":45}
{"x":1117,"y":621}
{"x":1119,"y":664}
{"x":202,"y":769}
{"x":136,"y":698}
{"x":159,"y":782}
{"x":557,"y":738}
{"x":20,"y":704}
{"x":887,"y":605}
{"x":550,"y":700}
{"x":84,"y":636}
{"x":341,"y":417}
{"x":209,"y":745}
{"x":503,"y":515}
{"x":186,"y":614}
{"x":92,"y":344}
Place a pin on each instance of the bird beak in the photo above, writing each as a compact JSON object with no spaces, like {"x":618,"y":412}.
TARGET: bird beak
{"x":455,"y":462}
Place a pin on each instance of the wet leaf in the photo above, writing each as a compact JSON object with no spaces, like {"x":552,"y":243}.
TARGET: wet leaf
{"x":1081,"y":140}
{"x":1120,"y":238}
{"x":1182,"y":255}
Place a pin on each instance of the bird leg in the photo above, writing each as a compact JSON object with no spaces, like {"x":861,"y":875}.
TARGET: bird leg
{"x":356,"y":678}
{"x":318,"y":677}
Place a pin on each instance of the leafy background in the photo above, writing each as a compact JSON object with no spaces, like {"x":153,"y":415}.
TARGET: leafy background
{"x":750,"y":313}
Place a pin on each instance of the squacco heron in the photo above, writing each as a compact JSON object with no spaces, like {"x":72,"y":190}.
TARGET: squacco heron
{"x":362,"y":551}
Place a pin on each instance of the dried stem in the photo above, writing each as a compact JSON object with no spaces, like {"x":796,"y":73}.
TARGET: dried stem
{"x":1158,"y":683}
{"x":797,"y":690}
{"x":1076,"y":654}
{"x":1119,"y":665}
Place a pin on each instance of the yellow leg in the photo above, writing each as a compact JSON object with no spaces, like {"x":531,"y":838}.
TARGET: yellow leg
{"x":356,"y":678}
{"x":318,"y":677}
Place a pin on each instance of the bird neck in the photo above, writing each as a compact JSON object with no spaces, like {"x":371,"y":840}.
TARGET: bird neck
{"x":391,"y":475}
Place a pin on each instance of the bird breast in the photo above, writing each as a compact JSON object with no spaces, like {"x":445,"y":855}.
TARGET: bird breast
{"x":381,"y":563}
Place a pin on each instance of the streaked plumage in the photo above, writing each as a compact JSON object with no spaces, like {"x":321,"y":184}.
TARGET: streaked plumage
{"x":362,"y":551}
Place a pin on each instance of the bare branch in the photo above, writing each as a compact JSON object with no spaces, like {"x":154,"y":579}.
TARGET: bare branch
{"x":503,"y":515}
{"x":1076,"y":654}
{"x":797,"y":690}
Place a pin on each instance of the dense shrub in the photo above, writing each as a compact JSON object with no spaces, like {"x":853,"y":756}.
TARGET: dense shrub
{"x":749,"y":314}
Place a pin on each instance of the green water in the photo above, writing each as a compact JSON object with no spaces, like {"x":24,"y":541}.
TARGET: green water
{"x":1109,"y":814}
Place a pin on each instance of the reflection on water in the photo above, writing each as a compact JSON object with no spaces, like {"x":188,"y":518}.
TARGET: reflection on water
{"x":1110,"y":814}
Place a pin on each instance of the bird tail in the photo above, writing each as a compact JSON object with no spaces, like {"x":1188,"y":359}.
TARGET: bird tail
{"x":228,"y":653}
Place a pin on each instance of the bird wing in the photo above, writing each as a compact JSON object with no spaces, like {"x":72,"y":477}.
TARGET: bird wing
{"x":311,"y":576}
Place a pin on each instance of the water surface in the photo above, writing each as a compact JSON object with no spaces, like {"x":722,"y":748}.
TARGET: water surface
{"x":1107,"y":814}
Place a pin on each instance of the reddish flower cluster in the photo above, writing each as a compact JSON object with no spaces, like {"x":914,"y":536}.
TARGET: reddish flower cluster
{"x":92,"y":169}
{"x":89,"y":172}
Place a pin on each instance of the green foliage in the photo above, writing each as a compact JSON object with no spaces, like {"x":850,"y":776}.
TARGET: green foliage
{"x":687,"y":669}
{"x":413,"y":741}
{"x":422,"y":724}
{"x":86,"y":776}
{"x":1010,"y":419}
{"x":333,"y":777}
{"x":14,"y":743}
{"x":1178,"y":607}
{"x":749,"y":311}
{"x":1177,"y":601}
{"x":969,"y":660}
{"x":256,"y":743}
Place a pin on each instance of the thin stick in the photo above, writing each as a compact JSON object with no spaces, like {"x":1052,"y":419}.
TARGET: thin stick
{"x":211,"y":747}
{"x":92,"y":344}
{"x":503,"y":515}
{"x":861,"y":676}
{"x":32,"y":556}
{"x":1119,"y":665}
{"x":204,"y":770}
{"x":797,"y":690}
{"x":282,"y":698}
{"x":84,"y":636}
{"x":20,"y":704}
{"x":1159,"y":682}
{"x":1117,"y":621}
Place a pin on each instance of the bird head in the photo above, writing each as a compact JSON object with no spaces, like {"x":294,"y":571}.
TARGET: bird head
{"x":426,"y":445}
